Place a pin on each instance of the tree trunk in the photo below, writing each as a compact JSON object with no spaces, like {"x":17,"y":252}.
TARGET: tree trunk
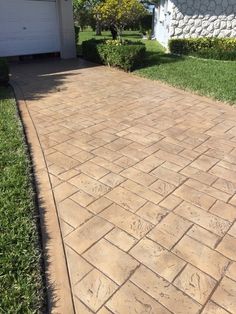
{"x":98,"y":28}
{"x":113,"y":32}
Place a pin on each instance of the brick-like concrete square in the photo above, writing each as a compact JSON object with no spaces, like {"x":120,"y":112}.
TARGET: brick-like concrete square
{"x":144,"y":178}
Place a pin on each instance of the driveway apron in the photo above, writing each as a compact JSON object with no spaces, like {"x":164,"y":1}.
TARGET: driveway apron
{"x":143,"y":178}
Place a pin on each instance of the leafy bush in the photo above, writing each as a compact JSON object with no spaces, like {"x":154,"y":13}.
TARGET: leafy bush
{"x":77,"y":30}
{"x":4,"y":72}
{"x":146,"y":23}
{"x":126,"y":55}
{"x":209,"y":47}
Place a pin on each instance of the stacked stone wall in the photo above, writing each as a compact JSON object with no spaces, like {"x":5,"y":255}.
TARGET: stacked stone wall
{"x":203,"y":18}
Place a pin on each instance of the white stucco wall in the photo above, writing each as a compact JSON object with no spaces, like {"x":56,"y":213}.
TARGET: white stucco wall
{"x":162,"y":21}
{"x":67,"y":35}
{"x":203,"y":18}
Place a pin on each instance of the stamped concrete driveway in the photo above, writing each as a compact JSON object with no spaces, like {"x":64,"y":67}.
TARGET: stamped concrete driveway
{"x":144,"y":178}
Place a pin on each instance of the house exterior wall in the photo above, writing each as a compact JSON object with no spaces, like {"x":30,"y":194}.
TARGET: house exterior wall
{"x":203,"y":18}
{"x":159,"y":31}
{"x":35,"y":27}
{"x":162,"y":21}
{"x":67,"y":34}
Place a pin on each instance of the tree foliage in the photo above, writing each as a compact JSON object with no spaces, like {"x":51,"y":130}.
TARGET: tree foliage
{"x":119,"y":13}
{"x":83,"y":12}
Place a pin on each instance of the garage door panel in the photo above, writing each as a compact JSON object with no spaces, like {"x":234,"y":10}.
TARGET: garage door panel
{"x":28,"y":27}
{"x":37,"y":46}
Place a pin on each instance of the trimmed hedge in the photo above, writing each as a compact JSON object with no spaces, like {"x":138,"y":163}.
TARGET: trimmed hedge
{"x":4,"y":72}
{"x":77,"y":31}
{"x":208,"y":47}
{"x":127,"y":55}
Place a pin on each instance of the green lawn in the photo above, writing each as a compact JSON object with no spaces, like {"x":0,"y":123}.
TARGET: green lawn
{"x":216,"y":79}
{"x":130,"y":35}
{"x":20,"y":271}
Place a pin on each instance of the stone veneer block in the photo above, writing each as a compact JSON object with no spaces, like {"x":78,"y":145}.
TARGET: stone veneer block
{"x":191,"y":19}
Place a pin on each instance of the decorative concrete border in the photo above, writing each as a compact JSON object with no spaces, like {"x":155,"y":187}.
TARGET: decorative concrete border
{"x":58,"y":286}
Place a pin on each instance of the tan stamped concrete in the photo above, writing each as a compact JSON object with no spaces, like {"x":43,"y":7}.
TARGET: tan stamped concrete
{"x":144,"y":180}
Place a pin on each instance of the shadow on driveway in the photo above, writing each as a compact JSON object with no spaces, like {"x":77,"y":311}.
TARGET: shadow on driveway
{"x":46,"y":75}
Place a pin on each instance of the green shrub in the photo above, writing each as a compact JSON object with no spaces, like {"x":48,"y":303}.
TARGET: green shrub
{"x":4,"y":72}
{"x":125,"y":55}
{"x":77,"y":30}
{"x":209,"y":47}
{"x":146,"y":22}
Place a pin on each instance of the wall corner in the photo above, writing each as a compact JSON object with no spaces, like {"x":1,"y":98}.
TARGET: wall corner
{"x":67,"y":32}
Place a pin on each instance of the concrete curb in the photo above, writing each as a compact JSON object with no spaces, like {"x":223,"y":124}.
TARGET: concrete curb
{"x":58,"y":286}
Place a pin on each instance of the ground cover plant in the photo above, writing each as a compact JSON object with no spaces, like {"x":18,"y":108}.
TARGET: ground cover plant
{"x":20,"y":271}
{"x":205,"y":47}
{"x":4,"y":72}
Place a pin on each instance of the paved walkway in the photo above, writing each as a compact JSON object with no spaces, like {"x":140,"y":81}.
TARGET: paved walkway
{"x":144,"y":178}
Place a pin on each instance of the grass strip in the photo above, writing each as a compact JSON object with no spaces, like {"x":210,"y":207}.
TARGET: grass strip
{"x":21,"y":280}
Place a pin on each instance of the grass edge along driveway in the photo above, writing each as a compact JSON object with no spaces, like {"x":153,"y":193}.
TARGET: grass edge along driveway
{"x":212,"y":78}
{"x":21,"y":282}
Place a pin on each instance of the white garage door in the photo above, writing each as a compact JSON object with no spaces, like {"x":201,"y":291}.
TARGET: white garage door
{"x":28,"y":27}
